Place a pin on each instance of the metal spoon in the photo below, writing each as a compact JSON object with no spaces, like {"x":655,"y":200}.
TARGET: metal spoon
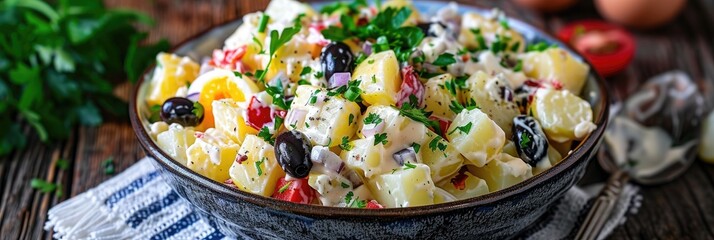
{"x":652,"y":139}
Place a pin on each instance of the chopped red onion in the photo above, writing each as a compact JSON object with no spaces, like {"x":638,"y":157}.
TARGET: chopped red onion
{"x":323,"y":155}
{"x":371,"y":129}
{"x":405,"y":155}
{"x":295,"y":115}
{"x":339,"y":79}
{"x":193,"y":96}
{"x":367,"y":48}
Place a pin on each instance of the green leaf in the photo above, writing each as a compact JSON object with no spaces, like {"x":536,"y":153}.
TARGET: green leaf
{"x":34,"y":120}
{"x":42,"y":185}
{"x":22,"y":74}
{"x":62,"y":164}
{"x":444,"y":59}
{"x":139,"y":57}
{"x":31,"y":94}
{"x":89,"y":113}
{"x":108,"y":166}
{"x":36,"y":5}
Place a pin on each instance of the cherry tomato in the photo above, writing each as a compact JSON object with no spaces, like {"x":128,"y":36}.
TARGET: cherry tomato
{"x":298,"y":191}
{"x":260,"y":114}
{"x":410,"y":86}
{"x":373,"y":204}
{"x":229,"y":59}
{"x":617,"y":44}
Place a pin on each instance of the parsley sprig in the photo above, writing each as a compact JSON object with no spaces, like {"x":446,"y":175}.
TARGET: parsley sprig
{"x":410,"y":110}
{"x":277,"y":40}
{"x":386,"y":28}
{"x":59,"y":61}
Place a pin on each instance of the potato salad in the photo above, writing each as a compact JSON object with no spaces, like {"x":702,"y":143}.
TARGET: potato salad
{"x":370,"y":106}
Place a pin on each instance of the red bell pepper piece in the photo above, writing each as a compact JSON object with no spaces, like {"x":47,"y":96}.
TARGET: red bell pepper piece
{"x":410,"y":86}
{"x":296,"y":190}
{"x":260,"y":114}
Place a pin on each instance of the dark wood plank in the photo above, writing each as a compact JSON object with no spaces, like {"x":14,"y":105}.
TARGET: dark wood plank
{"x":682,"y":209}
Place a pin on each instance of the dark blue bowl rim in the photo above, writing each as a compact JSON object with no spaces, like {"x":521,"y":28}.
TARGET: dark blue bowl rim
{"x":316,"y":211}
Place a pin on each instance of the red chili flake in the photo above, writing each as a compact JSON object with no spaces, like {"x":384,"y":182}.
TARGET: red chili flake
{"x":557,"y":84}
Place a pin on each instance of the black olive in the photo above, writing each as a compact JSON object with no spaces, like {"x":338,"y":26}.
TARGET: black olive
{"x":182,"y":111}
{"x":292,"y":149}
{"x":425,"y":27}
{"x":531,"y":143}
{"x":336,"y":57}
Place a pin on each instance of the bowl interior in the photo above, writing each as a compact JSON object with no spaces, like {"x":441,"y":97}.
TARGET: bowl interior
{"x":203,"y":44}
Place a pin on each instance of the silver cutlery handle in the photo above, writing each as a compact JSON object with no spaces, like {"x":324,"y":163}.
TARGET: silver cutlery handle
{"x":603,"y":206}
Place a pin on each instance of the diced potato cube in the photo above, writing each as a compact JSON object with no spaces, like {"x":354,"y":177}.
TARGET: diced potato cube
{"x":441,"y":156}
{"x":255,"y":169}
{"x":503,"y":172}
{"x":323,"y":119}
{"x":367,"y":159}
{"x":404,"y":188}
{"x":442,"y":196}
{"x":464,"y":186}
{"x":437,"y":97}
{"x":212,"y":154}
{"x":175,"y":141}
{"x":331,"y":186}
{"x":562,"y":115}
{"x":380,"y":78}
{"x":491,"y":94}
{"x":228,"y":117}
{"x":362,"y":192}
{"x":476,"y":137}
{"x":510,"y":148}
{"x":491,"y":30}
{"x":559,"y":65}
{"x":292,"y":57}
{"x":398,"y":4}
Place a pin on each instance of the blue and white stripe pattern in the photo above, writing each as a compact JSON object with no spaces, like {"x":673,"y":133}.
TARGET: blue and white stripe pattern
{"x":136,"y":204}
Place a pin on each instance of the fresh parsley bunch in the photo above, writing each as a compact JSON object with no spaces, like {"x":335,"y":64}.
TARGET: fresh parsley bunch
{"x":59,"y":61}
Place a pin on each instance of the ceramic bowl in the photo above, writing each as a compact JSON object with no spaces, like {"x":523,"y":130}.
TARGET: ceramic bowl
{"x":498,"y":215}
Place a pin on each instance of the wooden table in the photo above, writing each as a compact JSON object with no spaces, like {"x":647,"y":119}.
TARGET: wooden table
{"x":681,"y":209}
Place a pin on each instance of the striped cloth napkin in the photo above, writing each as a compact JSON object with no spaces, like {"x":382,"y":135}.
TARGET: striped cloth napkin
{"x":138,"y":204}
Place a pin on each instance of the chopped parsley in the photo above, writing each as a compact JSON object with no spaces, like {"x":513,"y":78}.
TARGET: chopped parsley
{"x":266,"y":135}
{"x":479,"y":39}
{"x":374,"y":79}
{"x":276,"y":92}
{"x":410,"y":110}
{"x":257,"y":166}
{"x":260,"y":45}
{"x":371,"y":61}
{"x":504,"y":24}
{"x":319,"y":74}
{"x":307,"y":125}
{"x":285,"y":187}
{"x":416,"y":147}
{"x":350,"y":119}
{"x":354,"y":203}
{"x":464,"y":129}
{"x":345,"y":145}
{"x":238,"y":74}
{"x":408,"y":165}
{"x":457,"y":108}
{"x":386,"y":27}
{"x":380,"y":138}
{"x":523,"y":142}
{"x":313,"y":96}
{"x":305,"y":71}
{"x":444,"y":60}
{"x":372,"y":118}
{"x":519,"y":66}
{"x":277,"y":122}
{"x":344,"y":185}
{"x":436,"y":143}
{"x":539,"y":47}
